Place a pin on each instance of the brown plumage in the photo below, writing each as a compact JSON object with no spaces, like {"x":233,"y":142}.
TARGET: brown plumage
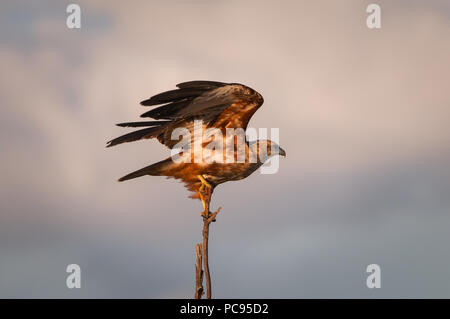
{"x":217,"y":105}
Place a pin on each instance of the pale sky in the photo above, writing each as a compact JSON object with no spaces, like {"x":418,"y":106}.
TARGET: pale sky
{"x":363,"y":115}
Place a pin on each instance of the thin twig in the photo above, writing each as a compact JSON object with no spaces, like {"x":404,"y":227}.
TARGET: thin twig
{"x":206,"y":221}
{"x":208,"y":218}
{"x":198,"y":272}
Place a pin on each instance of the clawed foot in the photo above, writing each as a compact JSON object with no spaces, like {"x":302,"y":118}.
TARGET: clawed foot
{"x":205,"y":191}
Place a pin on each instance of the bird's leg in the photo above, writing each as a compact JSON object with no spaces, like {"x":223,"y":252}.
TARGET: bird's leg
{"x":205,"y":191}
{"x":203,"y":213}
{"x":204,"y":182}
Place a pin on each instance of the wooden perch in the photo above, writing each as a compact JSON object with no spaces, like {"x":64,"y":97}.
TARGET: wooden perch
{"x":198,"y":272}
{"x":208,"y":218}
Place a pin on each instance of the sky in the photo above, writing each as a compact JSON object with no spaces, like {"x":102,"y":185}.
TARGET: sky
{"x":362,"y":114}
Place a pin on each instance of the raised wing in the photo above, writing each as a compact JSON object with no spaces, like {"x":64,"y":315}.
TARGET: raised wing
{"x":216,"y":104}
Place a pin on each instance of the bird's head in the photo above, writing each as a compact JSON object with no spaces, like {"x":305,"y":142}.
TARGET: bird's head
{"x":267,"y":149}
{"x":247,"y":93}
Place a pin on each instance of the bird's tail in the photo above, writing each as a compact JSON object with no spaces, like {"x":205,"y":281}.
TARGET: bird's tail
{"x":156,"y":169}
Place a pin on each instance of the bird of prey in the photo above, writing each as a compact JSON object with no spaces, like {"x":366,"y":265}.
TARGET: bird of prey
{"x":217,"y":105}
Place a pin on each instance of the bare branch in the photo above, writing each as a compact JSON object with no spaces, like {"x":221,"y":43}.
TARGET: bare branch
{"x":198,"y":272}
{"x":208,"y":218}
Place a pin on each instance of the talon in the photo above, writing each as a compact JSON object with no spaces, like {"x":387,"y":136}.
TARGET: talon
{"x":205,"y":191}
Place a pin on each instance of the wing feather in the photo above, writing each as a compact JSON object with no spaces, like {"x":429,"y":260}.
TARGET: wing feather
{"x":199,"y":84}
{"x":216,"y":104}
{"x":172,"y":96}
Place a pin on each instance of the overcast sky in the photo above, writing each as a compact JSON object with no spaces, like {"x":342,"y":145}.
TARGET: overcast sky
{"x":363,"y":116}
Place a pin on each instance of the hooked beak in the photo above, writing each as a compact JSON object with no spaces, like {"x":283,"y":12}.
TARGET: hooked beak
{"x":282,"y":152}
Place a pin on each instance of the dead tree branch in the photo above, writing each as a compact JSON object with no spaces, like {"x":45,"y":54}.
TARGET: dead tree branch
{"x":208,"y":218}
{"x":198,"y":272}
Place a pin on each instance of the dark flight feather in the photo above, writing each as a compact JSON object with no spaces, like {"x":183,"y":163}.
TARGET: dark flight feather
{"x":167,"y":111}
{"x":172,"y":96}
{"x":201,"y":84}
{"x":141,"y":124}
{"x":136,"y":135}
{"x":155,"y":169}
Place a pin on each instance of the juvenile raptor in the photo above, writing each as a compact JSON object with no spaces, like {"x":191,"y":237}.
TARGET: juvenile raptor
{"x":216,"y":105}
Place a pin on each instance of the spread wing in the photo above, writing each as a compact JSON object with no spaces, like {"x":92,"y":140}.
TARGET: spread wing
{"x":215,"y":104}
